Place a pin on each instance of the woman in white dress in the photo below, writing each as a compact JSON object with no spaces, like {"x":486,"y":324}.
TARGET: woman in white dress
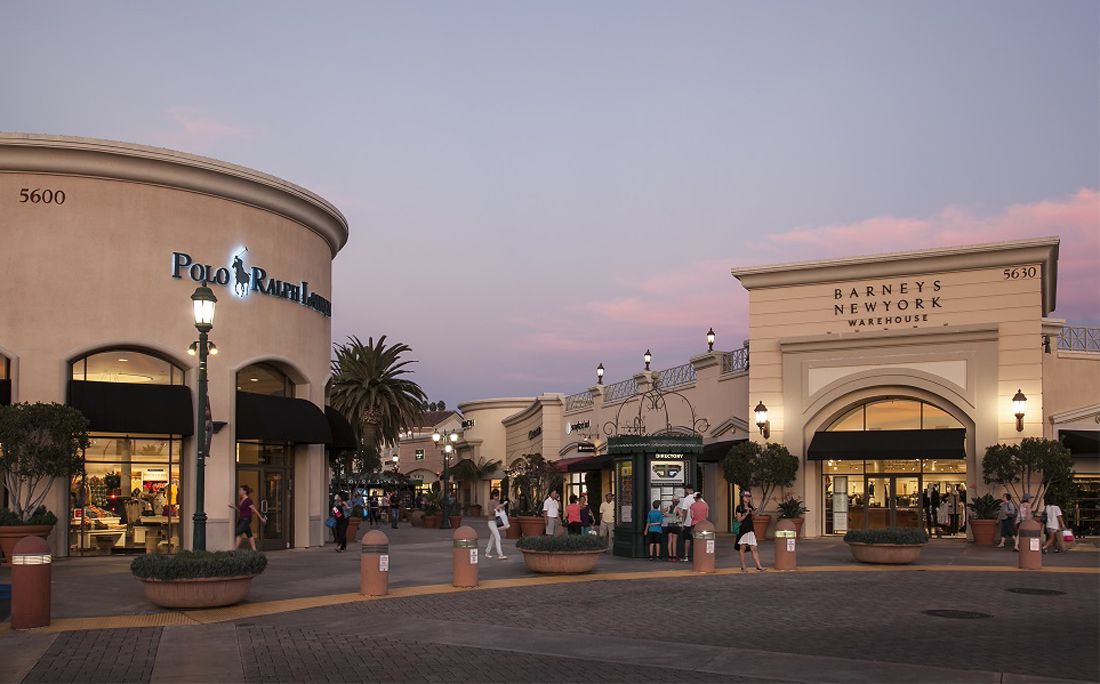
{"x":498,"y":520}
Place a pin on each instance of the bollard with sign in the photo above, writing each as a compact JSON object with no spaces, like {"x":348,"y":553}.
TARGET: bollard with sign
{"x":31,"y":570}
{"x":786,"y":542}
{"x":465,"y":557}
{"x":374,"y":564}
{"x":704,"y":547}
{"x":1031,"y":545}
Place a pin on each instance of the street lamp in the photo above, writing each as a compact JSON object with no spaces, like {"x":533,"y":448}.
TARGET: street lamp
{"x":710,"y":340}
{"x":203,"y":301}
{"x":395,"y":459}
{"x":647,"y":357}
{"x":1019,"y":405}
{"x":599,"y":374}
{"x":446,"y":443}
{"x":761,"y":412}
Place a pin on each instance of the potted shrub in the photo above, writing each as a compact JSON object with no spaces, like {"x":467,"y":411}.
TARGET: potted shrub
{"x":794,"y":510}
{"x":472,"y":473}
{"x":354,"y":521}
{"x":569,"y":554}
{"x":1031,"y":467}
{"x":416,"y":517}
{"x":198,"y":579}
{"x":890,"y":545}
{"x":532,"y":479}
{"x":765,"y":467}
{"x":38,"y":444}
{"x":983,"y":518}
{"x":432,"y":506}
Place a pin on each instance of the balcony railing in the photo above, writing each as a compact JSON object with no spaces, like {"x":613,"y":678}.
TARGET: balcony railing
{"x":1079,"y":338}
{"x":620,"y":391}
{"x":677,"y":376}
{"x":735,"y":361}
{"x":580,"y":400}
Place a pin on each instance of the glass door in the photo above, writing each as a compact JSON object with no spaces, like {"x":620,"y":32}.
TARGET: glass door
{"x":274,"y":504}
{"x":905,"y":502}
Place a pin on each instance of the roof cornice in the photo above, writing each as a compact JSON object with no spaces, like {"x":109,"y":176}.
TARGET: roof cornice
{"x":113,"y":160}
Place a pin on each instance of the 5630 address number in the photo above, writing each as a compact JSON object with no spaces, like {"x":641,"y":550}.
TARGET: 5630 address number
{"x":40,"y":196}
{"x":1021,"y":272}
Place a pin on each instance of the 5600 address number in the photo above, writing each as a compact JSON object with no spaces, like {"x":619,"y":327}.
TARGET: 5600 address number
{"x":40,"y":196}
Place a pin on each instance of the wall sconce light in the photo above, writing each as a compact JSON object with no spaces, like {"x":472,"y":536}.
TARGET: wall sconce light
{"x":647,"y":357}
{"x":710,"y":340}
{"x":1019,"y":406}
{"x":599,"y":374}
{"x":761,"y":412}
{"x":1046,"y":343}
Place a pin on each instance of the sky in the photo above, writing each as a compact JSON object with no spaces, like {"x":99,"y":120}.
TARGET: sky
{"x":534,"y":188}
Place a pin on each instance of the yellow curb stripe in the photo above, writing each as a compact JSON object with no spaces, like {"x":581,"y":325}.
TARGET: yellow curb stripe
{"x":264,"y":608}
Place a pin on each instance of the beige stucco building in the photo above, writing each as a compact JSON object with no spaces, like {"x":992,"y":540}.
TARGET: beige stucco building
{"x":104,"y":243}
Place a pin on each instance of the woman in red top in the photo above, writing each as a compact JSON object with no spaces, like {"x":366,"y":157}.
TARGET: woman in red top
{"x":245,"y":509}
{"x":573,"y":515}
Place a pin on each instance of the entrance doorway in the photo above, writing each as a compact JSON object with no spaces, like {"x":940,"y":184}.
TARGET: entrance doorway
{"x":267,"y":470}
{"x":927,"y":494}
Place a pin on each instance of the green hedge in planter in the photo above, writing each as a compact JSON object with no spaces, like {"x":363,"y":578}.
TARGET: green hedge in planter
{"x":40,"y":517}
{"x":198,"y":564}
{"x":888,"y":535}
{"x":570,"y":542}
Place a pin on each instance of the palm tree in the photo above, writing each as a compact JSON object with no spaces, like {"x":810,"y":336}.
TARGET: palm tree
{"x":367,"y":388}
{"x":468,"y":471}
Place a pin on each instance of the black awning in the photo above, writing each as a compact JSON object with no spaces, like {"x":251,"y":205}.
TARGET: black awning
{"x":5,"y":392}
{"x":592,"y":464}
{"x":887,"y":444}
{"x":716,"y":452}
{"x":280,"y":419}
{"x":132,"y":408}
{"x":343,"y":436}
{"x":1081,"y":443}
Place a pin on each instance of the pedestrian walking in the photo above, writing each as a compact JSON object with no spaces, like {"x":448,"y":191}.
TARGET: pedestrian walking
{"x":670,"y":525}
{"x":700,"y":510}
{"x":1022,"y":513}
{"x":1007,"y":518}
{"x":551,"y":513}
{"x":498,"y":520}
{"x":573,"y":515}
{"x":686,"y":523}
{"x":746,"y":537}
{"x":654,"y":522}
{"x":245,"y":510}
{"x":395,"y":508}
{"x":586,"y":515}
{"x":372,"y":510}
{"x":1055,"y":523}
{"x":340,"y":513}
{"x":607,"y":519}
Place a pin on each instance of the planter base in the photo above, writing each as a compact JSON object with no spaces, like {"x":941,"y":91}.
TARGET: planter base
{"x":11,"y":534}
{"x":885,"y":554}
{"x":206,"y":592}
{"x":985,"y":531}
{"x":561,"y":563}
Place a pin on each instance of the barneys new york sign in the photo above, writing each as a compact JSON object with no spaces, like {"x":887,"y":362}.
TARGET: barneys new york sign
{"x":887,"y":303}
{"x":249,"y":279}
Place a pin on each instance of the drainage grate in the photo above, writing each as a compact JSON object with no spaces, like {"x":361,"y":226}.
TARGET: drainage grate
{"x":1035,"y":592}
{"x":957,"y":614}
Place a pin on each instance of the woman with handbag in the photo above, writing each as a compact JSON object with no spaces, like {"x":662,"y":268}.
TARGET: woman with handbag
{"x":339,"y":512}
{"x":498,"y":520}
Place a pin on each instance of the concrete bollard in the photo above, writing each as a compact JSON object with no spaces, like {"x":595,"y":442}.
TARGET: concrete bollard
{"x":786,"y":541}
{"x":374,"y":564}
{"x":1031,"y":545}
{"x":703,"y":548}
{"x":31,"y":571}
{"x":465,"y":557}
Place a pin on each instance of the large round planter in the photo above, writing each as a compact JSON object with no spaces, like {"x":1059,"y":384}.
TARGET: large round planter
{"x":432,"y":522}
{"x":513,"y":531}
{"x":353,"y":528}
{"x":456,"y":521}
{"x":416,"y":518}
{"x":561,"y":562}
{"x":760,"y":526}
{"x":531,"y":525}
{"x":11,"y":534}
{"x":885,"y":554}
{"x":984,"y":531}
{"x":205,"y":592}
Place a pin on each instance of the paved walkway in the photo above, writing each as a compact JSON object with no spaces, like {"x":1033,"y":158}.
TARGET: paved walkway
{"x":832,"y":621}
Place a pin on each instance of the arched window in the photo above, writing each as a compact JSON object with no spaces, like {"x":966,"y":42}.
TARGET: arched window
{"x":5,"y":380}
{"x":126,"y":366}
{"x":264,"y":378}
{"x":894,"y":414}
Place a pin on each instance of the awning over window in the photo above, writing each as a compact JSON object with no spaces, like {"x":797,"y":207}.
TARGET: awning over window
{"x":887,"y":444}
{"x":716,"y":452}
{"x":132,"y":408}
{"x":589,"y":464}
{"x":280,"y":419}
{"x":5,"y":392}
{"x":343,"y":436}
{"x":1081,"y":443}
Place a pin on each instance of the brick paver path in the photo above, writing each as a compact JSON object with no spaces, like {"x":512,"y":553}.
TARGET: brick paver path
{"x":104,"y":655}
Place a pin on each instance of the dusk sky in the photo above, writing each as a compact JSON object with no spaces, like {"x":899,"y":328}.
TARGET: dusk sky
{"x":537,"y":187}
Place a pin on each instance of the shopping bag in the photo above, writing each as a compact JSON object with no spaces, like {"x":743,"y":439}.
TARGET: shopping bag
{"x":1067,"y":536}
{"x":331,"y":522}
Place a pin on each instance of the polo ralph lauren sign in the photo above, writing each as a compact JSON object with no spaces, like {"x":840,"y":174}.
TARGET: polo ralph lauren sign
{"x":247,"y":280}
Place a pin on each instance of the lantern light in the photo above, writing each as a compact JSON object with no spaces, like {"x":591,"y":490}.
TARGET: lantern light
{"x":647,"y":357}
{"x":599,"y":374}
{"x":1019,"y":406}
{"x":710,"y":340}
{"x":204,"y":300}
{"x":761,"y":412}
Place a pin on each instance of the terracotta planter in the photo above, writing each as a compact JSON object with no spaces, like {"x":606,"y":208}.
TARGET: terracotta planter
{"x":11,"y":534}
{"x":205,"y":592}
{"x":432,"y":521}
{"x":474,"y":510}
{"x":530,"y":525}
{"x":760,"y":526}
{"x":353,"y":528}
{"x":561,"y":562}
{"x":797,"y":526}
{"x":885,"y":554}
{"x":416,"y":518}
{"x":985,"y":531}
{"x":456,"y":521}
{"x":513,"y":531}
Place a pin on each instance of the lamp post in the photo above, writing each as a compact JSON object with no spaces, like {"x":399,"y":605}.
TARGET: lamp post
{"x":203,"y":301}
{"x":710,"y":340}
{"x":648,"y":358}
{"x":599,"y":374}
{"x":446,"y":442}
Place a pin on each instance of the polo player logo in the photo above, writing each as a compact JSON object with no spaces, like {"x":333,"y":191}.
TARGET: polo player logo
{"x":240,"y":274}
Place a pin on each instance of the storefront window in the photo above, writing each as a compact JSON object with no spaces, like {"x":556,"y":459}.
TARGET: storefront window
{"x":127,"y":499}
{"x":264,"y":378}
{"x":126,"y":365}
{"x":624,"y":479}
{"x":575,"y":486}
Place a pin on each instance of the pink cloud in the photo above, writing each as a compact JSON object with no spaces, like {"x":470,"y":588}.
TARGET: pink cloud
{"x":193,"y":129}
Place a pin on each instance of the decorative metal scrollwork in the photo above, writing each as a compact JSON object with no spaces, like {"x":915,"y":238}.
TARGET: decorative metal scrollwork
{"x":654,"y":401}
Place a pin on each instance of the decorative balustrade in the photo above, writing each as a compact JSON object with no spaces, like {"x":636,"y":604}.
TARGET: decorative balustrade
{"x":677,"y":376}
{"x":735,"y":361}
{"x":620,"y":391}
{"x":578,"y":401}
{"x":1079,"y":338}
